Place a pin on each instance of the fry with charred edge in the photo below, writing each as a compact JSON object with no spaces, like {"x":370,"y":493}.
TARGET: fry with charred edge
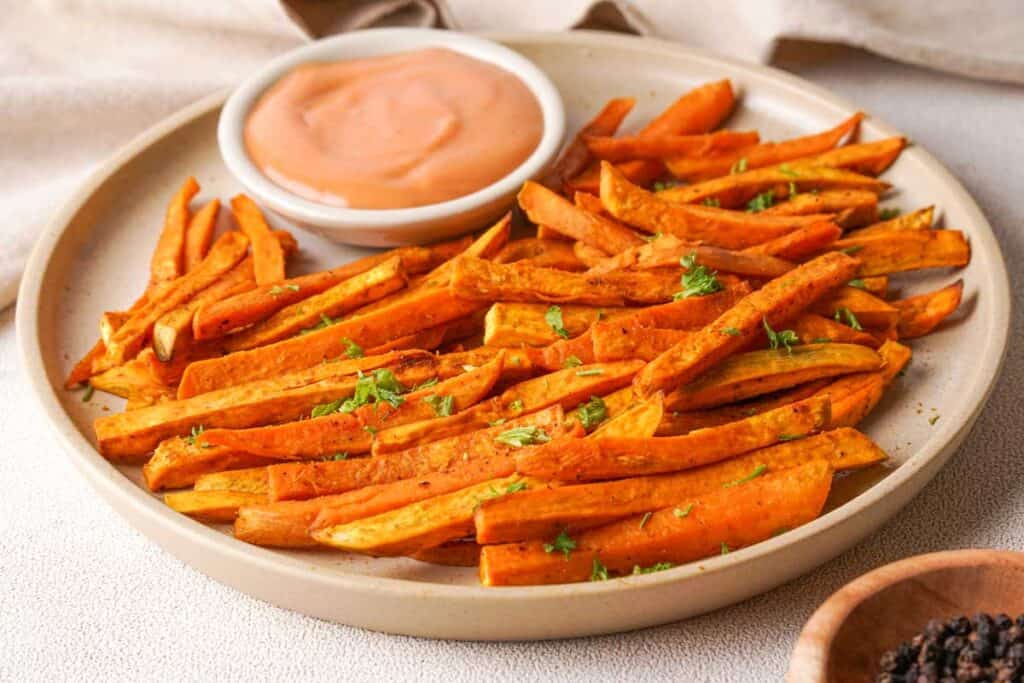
{"x":222,"y":317}
{"x":760,"y":155}
{"x":921,"y":219}
{"x":557,"y":213}
{"x":614,"y":458}
{"x":920,"y":315}
{"x":248,"y":480}
{"x":731,"y":518}
{"x":853,"y":397}
{"x":699,"y":111}
{"x":178,"y":462}
{"x":666,"y":251}
{"x":756,"y":373}
{"x":575,"y":157}
{"x":511,"y":324}
{"x":199,"y":234}
{"x":545,"y":512}
{"x":801,"y":243}
{"x":129,"y":338}
{"x":214,"y":507}
{"x":557,"y":254}
{"x":662,"y":147}
{"x":779,"y":300}
{"x":129,"y":435}
{"x":297,"y":481}
{"x":342,"y":298}
{"x":849,"y":304}
{"x":881,"y":253}
{"x":347,"y":432}
{"x":652,"y":213}
{"x":454,"y":554}
{"x":858,"y":207}
{"x":267,"y":256}
{"x":733,"y":191}
{"x":640,"y":420}
{"x":166,"y":263}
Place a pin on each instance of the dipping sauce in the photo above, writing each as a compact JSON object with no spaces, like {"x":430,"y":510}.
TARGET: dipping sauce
{"x":389,"y":132}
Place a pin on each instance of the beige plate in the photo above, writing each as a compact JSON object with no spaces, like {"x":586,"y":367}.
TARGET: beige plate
{"x":94,"y":255}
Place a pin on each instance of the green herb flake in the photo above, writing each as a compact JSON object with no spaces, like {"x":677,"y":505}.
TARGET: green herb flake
{"x":516,"y":405}
{"x":516,"y":487}
{"x":888,"y":214}
{"x":697,"y":280}
{"x":858,"y":283}
{"x":844,"y":314}
{"x":325,"y":321}
{"x":849,"y":251}
{"x":572,"y":362}
{"x":763,"y":201}
{"x":553,"y":318}
{"x":443,"y":406}
{"x":739,"y":167}
{"x":684,"y":512}
{"x":370,"y":430}
{"x":785,"y":170}
{"x":790,"y":437}
{"x":338,"y":456}
{"x":781,"y":339}
{"x":324,"y":409}
{"x":933,"y":419}
{"x":821,"y":340}
{"x":659,"y":567}
{"x":792,"y":189}
{"x":712,"y":202}
{"x":517,"y":437}
{"x":644,"y":519}
{"x":598,"y":571}
{"x":730,"y":331}
{"x":382,"y":385}
{"x":563,"y":543}
{"x":87,"y":394}
{"x":425,"y":384}
{"x":758,"y":471}
{"x":593,"y":372}
{"x":352,"y":350}
{"x":725,"y":548}
{"x":498,"y":422}
{"x":592,"y":413}
{"x":194,"y":434}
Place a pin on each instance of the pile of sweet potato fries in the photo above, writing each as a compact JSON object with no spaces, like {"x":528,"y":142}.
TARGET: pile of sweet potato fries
{"x":673,"y":367}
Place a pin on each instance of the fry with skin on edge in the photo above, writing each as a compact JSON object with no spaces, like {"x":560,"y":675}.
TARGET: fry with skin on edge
{"x":615,"y":458}
{"x":667,"y":250}
{"x":853,"y":397}
{"x":920,"y":315}
{"x":729,"y":518}
{"x":881,"y":253}
{"x":575,"y":157}
{"x":759,"y":155}
{"x":921,"y":219}
{"x":712,"y":226}
{"x":545,"y":207}
{"x":858,"y":207}
{"x":543,"y":513}
{"x":267,"y":256}
{"x":778,"y":300}
{"x":167,"y":263}
{"x":662,"y":147}
{"x":199,"y":234}
{"x":801,"y":243}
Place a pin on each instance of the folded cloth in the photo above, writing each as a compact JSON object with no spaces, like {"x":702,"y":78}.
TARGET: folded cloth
{"x":78,"y":78}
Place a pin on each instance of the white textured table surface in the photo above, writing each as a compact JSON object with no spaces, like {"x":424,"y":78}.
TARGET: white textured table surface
{"x":83,"y":596}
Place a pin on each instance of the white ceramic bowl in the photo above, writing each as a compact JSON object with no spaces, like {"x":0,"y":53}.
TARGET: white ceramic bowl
{"x":390,"y":227}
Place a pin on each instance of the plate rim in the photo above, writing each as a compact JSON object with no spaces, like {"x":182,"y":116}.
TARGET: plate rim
{"x":110,"y":481}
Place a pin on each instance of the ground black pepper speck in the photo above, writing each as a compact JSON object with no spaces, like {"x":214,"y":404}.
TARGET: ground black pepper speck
{"x":960,"y":650}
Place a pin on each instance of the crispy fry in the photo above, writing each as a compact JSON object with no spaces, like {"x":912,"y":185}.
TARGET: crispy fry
{"x":667,"y":250}
{"x":920,"y":315}
{"x":858,"y":207}
{"x":179,"y":462}
{"x":800,"y":243}
{"x":921,"y":219}
{"x":614,"y":458}
{"x":166,"y":263}
{"x":853,"y":397}
{"x":866,"y":308}
{"x":663,"y":147}
{"x":760,"y":155}
{"x":199,"y":234}
{"x":640,"y":420}
{"x":614,"y":341}
{"x":557,"y":254}
{"x":248,"y":480}
{"x":575,"y":157}
{"x":721,"y":520}
{"x":881,"y":253}
{"x":215,"y":507}
{"x":518,"y":324}
{"x":133,"y":380}
{"x":779,"y":300}
{"x":815,"y":329}
{"x":712,"y":226}
{"x":267,"y":256}
{"x":544,"y":512}
{"x":557,"y":213}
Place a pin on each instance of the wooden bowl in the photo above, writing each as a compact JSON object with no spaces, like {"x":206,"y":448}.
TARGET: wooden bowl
{"x":845,"y":638}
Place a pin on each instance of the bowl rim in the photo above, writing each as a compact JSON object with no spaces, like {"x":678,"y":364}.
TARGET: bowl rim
{"x":371,"y":43}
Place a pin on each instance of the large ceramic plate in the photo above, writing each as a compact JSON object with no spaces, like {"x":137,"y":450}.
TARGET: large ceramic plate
{"x":94,"y":255}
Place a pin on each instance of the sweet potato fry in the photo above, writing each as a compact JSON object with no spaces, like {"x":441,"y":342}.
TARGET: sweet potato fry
{"x":716,"y":522}
{"x":129,"y":338}
{"x":640,"y":420}
{"x":876,"y":284}
{"x":859,"y":207}
{"x":614,"y":458}
{"x":652,"y":213}
{"x":215,"y":507}
{"x":557,"y":213}
{"x":543,"y":513}
{"x":736,"y":190}
{"x":800,"y":243}
{"x":756,"y":373}
{"x":519,"y":324}
{"x":167,"y":263}
{"x":921,"y":314}
{"x":267,"y":256}
{"x":615,"y":341}
{"x":179,"y":462}
{"x":866,"y":309}
{"x":870,"y":158}
{"x":455,"y":554}
{"x":199,"y":234}
{"x":667,"y":250}
{"x":133,"y":380}
{"x":853,"y":397}
{"x":698,"y":111}
{"x":248,"y":480}
{"x":921,"y":219}
{"x":760,"y":155}
{"x":575,"y":157}
{"x":779,"y":300}
{"x":477,"y":279}
{"x":662,"y":147}
{"x":881,"y":253}
{"x":557,"y":254}
{"x":816,"y":329}
{"x":588,"y":255}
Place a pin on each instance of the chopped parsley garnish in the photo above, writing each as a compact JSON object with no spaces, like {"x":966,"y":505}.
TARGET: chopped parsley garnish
{"x":784,"y":169}
{"x":598,"y":571}
{"x":554,"y":319}
{"x":594,"y":372}
{"x":790,"y":437}
{"x":783,"y":338}
{"x":933,"y":419}
{"x":844,"y":314}
{"x":517,"y":437}
{"x":426,"y":384}
{"x":659,"y":567}
{"x":849,"y":251}
{"x":563,"y":543}
{"x":516,"y":405}
{"x":592,"y":413}
{"x":325,"y":321}
{"x":888,"y":214}
{"x":322,"y":409}
{"x":763,"y":201}
{"x":87,"y":394}
{"x":370,"y":429}
{"x":758,"y":471}
{"x":498,"y":422}
{"x":382,"y":385}
{"x":338,"y":456}
{"x":792,"y":189}
{"x":665,"y":185}
{"x":352,"y":350}
{"x":572,"y":362}
{"x":739,"y":167}
{"x":685,"y":512}
{"x":730,"y":331}
{"x":697,"y":280}
{"x":278,"y":290}
{"x":194,"y":434}
{"x":725,"y":548}
{"x":443,"y":406}
{"x":492,"y":493}
{"x":516,"y":487}
{"x":643,"y":520}
{"x":712,"y":202}
{"x":821,"y":340}
{"x":858,"y":283}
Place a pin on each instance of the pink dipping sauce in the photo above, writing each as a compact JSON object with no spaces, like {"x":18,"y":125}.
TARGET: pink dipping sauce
{"x":403,"y":130}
